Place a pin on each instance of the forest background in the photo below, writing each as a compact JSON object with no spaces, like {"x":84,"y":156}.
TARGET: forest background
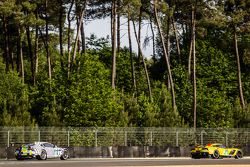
{"x":53,"y":75}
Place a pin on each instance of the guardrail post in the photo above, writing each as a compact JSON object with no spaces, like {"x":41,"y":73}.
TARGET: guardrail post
{"x":202,"y":132}
{"x":125,"y":138}
{"x":95,"y":138}
{"x":177,"y":138}
{"x":226,"y":139}
{"x":247,"y":137}
{"x":201,"y":138}
{"x":39,"y":135}
{"x":8,"y":142}
{"x":68,"y":138}
{"x":151,"y":138}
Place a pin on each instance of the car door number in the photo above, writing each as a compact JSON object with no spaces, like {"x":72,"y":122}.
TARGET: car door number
{"x":57,"y":152}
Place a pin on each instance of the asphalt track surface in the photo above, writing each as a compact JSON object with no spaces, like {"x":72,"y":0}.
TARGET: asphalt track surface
{"x":129,"y":162}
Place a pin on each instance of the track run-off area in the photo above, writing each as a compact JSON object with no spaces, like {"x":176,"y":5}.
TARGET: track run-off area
{"x":129,"y":162}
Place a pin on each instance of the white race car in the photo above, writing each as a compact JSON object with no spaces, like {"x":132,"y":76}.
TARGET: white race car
{"x":41,"y":151}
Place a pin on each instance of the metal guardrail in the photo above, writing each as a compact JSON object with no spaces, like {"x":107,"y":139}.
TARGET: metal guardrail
{"x":123,"y":136}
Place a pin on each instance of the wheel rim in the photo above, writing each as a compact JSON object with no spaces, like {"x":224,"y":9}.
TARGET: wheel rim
{"x":65,"y":154}
{"x":239,"y":154}
{"x":216,"y":154}
{"x":43,"y":155}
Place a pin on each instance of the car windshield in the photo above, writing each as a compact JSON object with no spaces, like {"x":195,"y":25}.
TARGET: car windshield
{"x":48,"y":145}
{"x":219,"y":145}
{"x":222,"y":146}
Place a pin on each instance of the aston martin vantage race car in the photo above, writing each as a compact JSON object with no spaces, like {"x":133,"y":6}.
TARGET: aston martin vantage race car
{"x":41,"y":151}
{"x":215,"y":151}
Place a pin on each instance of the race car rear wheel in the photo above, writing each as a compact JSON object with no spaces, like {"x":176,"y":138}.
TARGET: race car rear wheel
{"x":65,"y":155}
{"x":238,"y":155}
{"x":216,"y":154}
{"x":43,"y":155}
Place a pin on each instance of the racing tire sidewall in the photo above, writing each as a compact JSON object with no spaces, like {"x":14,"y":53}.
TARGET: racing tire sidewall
{"x":238,"y":155}
{"x":216,"y":154}
{"x":65,"y":155}
{"x":43,"y":155}
{"x":19,"y":158}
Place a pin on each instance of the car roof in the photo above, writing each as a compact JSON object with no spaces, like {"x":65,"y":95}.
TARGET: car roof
{"x":212,"y":144}
{"x":39,"y":142}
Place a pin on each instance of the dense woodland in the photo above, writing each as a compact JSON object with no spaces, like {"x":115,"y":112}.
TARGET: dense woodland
{"x":53,"y":75}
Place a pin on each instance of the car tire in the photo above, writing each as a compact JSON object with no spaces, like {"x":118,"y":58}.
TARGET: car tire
{"x":42,"y":156}
{"x":216,"y":154}
{"x":65,"y":155}
{"x":238,"y":155}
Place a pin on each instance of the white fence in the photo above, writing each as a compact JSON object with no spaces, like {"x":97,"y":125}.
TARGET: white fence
{"x":100,"y":136}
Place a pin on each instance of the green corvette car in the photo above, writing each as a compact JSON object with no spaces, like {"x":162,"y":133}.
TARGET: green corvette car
{"x":215,"y":151}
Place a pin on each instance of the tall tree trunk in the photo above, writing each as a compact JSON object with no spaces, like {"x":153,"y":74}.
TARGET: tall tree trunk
{"x":21,"y":59}
{"x":144,"y":63}
{"x":191,"y":46}
{"x":47,"y":40}
{"x":20,"y":68}
{"x":69,"y":35}
{"x":176,"y":39}
{"x":139,"y":36}
{"x":113,"y":44}
{"x":30,"y":54}
{"x":36,"y":50}
{"x":166,"y":56}
{"x":82,"y":33}
{"x":131,"y":55}
{"x":167,"y":43}
{"x":36,"y":45}
{"x":78,"y":32}
{"x":239,"y":70}
{"x":79,"y":24}
{"x":18,"y":61}
{"x":6,"y":44}
{"x":12,"y":59}
{"x":83,"y":39}
{"x":190,"y":58}
{"x":194,"y":66}
{"x":153,"y":36}
{"x":61,"y":31}
{"x":118,"y":26}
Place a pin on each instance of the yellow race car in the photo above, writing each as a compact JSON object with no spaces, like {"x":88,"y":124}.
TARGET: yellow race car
{"x":215,"y":151}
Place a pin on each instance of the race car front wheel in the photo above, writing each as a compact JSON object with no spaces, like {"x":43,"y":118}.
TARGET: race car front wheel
{"x":216,"y":154}
{"x":43,"y":155}
{"x":19,"y":158}
{"x":65,"y":155}
{"x":238,"y":155}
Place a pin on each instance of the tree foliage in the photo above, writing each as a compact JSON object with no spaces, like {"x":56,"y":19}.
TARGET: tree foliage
{"x":49,"y":76}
